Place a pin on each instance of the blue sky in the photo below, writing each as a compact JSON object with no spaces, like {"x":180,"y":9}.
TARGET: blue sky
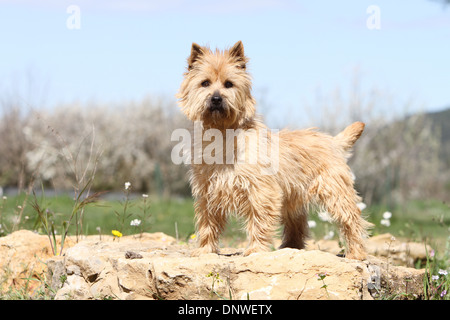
{"x":126,"y":50}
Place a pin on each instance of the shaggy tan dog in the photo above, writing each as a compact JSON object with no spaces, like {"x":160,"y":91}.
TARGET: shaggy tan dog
{"x":262,"y":176}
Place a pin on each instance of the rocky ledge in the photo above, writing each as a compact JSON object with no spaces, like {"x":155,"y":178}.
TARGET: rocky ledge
{"x":154,"y":269}
{"x":156,"y":266}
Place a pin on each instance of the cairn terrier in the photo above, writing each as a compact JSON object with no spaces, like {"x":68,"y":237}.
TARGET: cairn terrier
{"x":305,"y":168}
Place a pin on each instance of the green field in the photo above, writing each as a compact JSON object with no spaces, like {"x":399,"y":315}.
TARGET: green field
{"x":164,"y":215}
{"x":421,"y":221}
{"x":417,"y":220}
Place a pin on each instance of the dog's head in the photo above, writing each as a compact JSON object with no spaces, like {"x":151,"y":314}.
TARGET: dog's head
{"x":216,"y":88}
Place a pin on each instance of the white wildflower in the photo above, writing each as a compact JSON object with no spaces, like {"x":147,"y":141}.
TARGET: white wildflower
{"x":324,"y":216}
{"x":361,"y":205}
{"x":127,"y":185}
{"x":329,"y":235}
{"x":387,"y":215}
{"x":443,"y":272}
{"x":312,"y":224}
{"x":385,"y":222}
{"x":135,"y":222}
{"x":434,"y":277}
{"x":145,"y":196}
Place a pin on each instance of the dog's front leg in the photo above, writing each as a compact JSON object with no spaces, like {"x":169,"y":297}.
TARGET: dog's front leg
{"x":262,"y":216}
{"x":210,"y":223}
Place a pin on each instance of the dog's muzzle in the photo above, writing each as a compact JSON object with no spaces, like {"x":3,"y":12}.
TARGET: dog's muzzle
{"x":216,"y":103}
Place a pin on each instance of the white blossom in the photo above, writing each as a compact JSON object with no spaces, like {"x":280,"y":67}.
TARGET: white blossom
{"x":387,"y":215}
{"x":443,"y":272}
{"x":361,"y":205}
{"x":325,"y":216}
{"x":329,"y":235}
{"x":312,"y":224}
{"x":135,"y":222}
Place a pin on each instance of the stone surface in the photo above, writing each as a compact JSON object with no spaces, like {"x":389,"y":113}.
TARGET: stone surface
{"x":22,"y":258}
{"x":24,"y":255}
{"x":399,"y":253}
{"x":154,"y":266}
{"x":101,"y":270}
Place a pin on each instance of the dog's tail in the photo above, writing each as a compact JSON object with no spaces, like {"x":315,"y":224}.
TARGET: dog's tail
{"x":349,"y":135}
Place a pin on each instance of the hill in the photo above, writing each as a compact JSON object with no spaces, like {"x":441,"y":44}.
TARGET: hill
{"x":441,"y":123}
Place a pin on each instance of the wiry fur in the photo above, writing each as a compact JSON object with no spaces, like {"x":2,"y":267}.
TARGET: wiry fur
{"x":312,"y":165}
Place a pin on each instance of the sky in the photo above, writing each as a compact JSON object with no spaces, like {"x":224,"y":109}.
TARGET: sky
{"x":113,"y":51}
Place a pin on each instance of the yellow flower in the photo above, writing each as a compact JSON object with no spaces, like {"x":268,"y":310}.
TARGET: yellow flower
{"x":193,"y":236}
{"x":116,"y":233}
{"x":215,"y":276}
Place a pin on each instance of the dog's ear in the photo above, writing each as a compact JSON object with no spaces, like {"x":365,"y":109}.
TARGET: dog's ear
{"x":196,"y":52}
{"x":237,"y":51}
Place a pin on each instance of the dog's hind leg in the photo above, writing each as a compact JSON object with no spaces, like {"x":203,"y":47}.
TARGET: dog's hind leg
{"x":339,"y":199}
{"x":295,"y":221}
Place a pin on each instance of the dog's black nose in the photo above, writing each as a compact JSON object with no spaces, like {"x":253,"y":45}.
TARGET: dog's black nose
{"x":216,"y":100}
{"x":216,"y":103}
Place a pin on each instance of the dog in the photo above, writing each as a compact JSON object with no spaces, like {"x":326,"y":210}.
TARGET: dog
{"x":305,"y":168}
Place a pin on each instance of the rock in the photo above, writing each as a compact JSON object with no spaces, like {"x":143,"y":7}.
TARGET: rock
{"x":100,"y":270}
{"x":399,"y":253}
{"x":154,"y":266}
{"x":132,"y":255}
{"x":23,"y":256}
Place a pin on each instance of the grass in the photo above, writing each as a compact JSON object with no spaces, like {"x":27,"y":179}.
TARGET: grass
{"x":165,"y":213}
{"x":416,"y":220}
{"x":421,"y":221}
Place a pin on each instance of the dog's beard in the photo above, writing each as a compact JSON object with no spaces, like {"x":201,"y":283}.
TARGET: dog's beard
{"x":224,"y":116}
{"x":216,"y":113}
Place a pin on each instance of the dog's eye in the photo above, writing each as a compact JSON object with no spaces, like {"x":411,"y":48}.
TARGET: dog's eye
{"x":205,"y":84}
{"x":228,"y":84}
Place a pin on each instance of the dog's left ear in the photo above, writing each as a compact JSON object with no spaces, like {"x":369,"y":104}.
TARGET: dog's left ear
{"x":196,"y":52}
{"x":238,"y":51}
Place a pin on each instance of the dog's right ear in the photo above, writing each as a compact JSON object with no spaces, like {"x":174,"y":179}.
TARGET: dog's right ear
{"x":196,"y":52}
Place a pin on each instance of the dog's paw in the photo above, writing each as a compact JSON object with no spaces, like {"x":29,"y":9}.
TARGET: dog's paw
{"x":251,"y":250}
{"x":358,"y":255}
{"x":202,"y":250}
